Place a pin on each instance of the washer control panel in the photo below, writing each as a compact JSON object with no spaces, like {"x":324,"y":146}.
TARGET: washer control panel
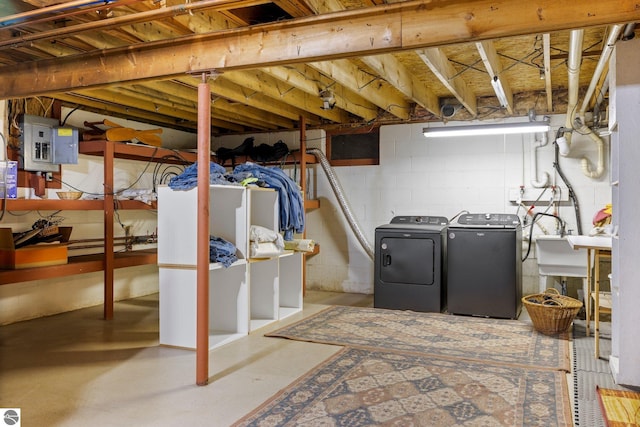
{"x":425,"y":220}
{"x":491,"y":219}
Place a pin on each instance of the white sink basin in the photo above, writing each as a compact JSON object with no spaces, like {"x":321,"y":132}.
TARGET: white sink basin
{"x":556,"y":257}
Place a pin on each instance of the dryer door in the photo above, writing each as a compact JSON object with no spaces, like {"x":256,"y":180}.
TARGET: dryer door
{"x":406,"y":259}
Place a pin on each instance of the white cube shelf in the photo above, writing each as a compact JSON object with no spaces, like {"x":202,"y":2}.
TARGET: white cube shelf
{"x":263,"y":208}
{"x":178,"y":222}
{"x":244,"y":297}
{"x":290,"y":284}
{"x":228,"y":305}
{"x":263,"y":292}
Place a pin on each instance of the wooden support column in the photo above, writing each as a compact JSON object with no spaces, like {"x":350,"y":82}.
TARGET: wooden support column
{"x":303,"y":185}
{"x":202,"y":263}
{"x":108,"y":231}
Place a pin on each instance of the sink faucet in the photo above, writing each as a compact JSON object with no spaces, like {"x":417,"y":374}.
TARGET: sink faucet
{"x":560,"y":226}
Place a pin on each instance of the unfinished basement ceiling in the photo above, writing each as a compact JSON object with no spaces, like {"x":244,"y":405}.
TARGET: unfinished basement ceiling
{"x":334,"y":62}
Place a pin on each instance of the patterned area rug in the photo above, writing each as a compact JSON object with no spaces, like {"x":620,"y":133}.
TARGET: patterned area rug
{"x":358,"y":387}
{"x":620,"y":408}
{"x":505,"y":342}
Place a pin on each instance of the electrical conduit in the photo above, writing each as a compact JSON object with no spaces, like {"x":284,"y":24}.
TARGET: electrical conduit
{"x":344,"y":205}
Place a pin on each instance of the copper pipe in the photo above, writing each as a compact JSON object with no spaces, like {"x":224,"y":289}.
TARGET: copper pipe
{"x":88,"y":10}
{"x":105,"y":24}
{"x":48,"y":9}
{"x":72,"y":248}
{"x":202,"y":263}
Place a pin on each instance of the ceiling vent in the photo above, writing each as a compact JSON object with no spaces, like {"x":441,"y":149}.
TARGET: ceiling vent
{"x":448,"y":111}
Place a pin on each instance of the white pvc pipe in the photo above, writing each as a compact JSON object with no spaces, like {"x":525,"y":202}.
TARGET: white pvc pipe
{"x":573,"y":68}
{"x":602,"y":64}
{"x":534,"y":163}
{"x":597,"y":173}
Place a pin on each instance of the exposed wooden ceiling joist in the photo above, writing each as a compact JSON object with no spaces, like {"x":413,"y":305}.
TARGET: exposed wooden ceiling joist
{"x":278,"y":59}
{"x":371,"y":30}
{"x":439,"y":64}
{"x":493,"y":64}
{"x":546,"y":46}
{"x":397,"y":75}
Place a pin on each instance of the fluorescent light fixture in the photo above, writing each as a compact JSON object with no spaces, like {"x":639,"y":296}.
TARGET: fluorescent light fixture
{"x":499,"y":90}
{"x":489,"y":129}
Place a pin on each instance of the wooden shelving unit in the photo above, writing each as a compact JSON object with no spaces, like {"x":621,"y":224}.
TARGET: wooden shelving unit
{"x":79,"y":265}
{"x":109,"y":260}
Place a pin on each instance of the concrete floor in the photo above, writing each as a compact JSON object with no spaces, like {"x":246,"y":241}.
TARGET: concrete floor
{"x":75,"y":369}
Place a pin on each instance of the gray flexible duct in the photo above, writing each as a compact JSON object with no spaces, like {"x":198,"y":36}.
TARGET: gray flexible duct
{"x":344,"y":205}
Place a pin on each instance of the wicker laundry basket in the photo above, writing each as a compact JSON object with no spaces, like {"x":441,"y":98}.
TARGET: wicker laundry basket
{"x":550,"y":312}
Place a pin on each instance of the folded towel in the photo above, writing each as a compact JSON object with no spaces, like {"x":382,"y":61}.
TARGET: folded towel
{"x":303,"y":245}
{"x":264,"y":250}
{"x":262,"y":234}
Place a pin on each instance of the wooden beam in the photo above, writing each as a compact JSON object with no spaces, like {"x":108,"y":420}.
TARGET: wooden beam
{"x":131,"y":100}
{"x":380,"y":29}
{"x":394,"y":72}
{"x":260,"y":118}
{"x":312,"y":82}
{"x":493,"y":64}
{"x":546,"y":52}
{"x":325,"y":6}
{"x":111,"y":103}
{"x":237,"y":93}
{"x":353,"y":78}
{"x":273,"y":88}
{"x":129,"y":19}
{"x":439,"y":64}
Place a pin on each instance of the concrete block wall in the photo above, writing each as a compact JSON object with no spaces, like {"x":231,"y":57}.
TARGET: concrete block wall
{"x":416,"y":176}
{"x":441,"y":176}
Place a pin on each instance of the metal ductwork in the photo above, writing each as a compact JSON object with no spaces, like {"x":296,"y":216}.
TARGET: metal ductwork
{"x":344,"y":204}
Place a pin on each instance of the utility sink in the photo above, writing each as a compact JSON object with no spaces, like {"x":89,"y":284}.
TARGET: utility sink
{"x":556,"y":257}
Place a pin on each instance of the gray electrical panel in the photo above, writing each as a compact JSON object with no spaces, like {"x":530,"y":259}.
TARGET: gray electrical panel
{"x":65,"y":145}
{"x":45,"y":144}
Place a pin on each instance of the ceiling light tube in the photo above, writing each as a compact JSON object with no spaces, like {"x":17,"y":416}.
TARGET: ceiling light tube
{"x":489,"y":129}
{"x":499,"y":90}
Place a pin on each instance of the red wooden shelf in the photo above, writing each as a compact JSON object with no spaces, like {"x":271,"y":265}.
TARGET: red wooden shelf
{"x":79,"y":265}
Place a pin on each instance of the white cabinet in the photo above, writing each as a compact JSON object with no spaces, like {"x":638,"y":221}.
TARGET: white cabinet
{"x":625,"y":251}
{"x":243,"y":297}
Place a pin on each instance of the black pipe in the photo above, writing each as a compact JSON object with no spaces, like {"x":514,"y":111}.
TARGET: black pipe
{"x":572,"y":194}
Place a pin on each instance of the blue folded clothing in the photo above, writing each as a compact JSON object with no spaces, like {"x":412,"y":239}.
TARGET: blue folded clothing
{"x":289,"y":197}
{"x":290,"y":200}
{"x":222,"y":251}
{"x":189,"y":178}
